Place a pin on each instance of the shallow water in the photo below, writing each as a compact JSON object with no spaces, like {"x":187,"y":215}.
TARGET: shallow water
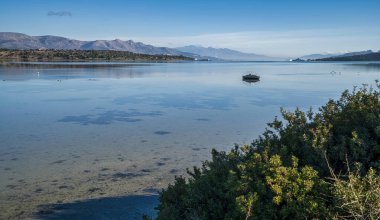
{"x":75,"y":132}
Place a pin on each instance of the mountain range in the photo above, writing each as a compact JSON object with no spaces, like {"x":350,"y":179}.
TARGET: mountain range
{"x":11,"y":40}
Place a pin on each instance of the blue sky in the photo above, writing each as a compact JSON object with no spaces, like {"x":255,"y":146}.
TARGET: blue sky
{"x":278,"y":28}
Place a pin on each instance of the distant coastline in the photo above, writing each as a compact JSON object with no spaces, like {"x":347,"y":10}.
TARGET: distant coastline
{"x":375,"y":56}
{"x":48,"y":55}
{"x":370,"y":56}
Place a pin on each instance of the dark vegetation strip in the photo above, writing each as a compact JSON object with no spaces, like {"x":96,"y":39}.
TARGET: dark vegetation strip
{"x":83,"y":55}
{"x":54,"y":65}
{"x":364,"y":57}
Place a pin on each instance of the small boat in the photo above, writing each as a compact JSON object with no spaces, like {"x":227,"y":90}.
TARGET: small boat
{"x":251,"y":77}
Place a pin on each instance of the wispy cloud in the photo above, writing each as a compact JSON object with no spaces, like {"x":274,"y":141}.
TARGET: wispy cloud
{"x":59,"y":13}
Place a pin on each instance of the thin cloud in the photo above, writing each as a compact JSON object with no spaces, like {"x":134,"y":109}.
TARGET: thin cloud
{"x":59,"y":13}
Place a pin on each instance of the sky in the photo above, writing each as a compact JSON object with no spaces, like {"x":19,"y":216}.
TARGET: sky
{"x":282,"y":28}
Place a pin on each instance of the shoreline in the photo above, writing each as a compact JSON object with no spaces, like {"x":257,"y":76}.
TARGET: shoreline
{"x":84,"y":55}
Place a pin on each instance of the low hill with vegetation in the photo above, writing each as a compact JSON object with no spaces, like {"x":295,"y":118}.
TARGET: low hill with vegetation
{"x":82,"y":55}
{"x":306,"y":165}
{"x":362,"y":57}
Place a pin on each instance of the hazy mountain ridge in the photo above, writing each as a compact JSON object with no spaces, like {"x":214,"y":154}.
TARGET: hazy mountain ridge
{"x":9,"y":40}
{"x":226,"y":54}
{"x":318,"y":56}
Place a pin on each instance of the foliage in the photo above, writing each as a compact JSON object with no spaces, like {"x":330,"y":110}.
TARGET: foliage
{"x":270,"y":190}
{"x":357,"y":197}
{"x":205,"y":196}
{"x":81,"y":55}
{"x":289,"y":171}
{"x":345,"y":129}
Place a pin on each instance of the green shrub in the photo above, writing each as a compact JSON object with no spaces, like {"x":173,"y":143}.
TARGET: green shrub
{"x":357,"y":197}
{"x":288,"y":172}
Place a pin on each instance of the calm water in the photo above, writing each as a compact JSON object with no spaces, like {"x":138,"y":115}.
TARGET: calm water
{"x":68,"y":134}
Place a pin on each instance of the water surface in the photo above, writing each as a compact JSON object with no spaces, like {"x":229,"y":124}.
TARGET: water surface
{"x":75,"y":132}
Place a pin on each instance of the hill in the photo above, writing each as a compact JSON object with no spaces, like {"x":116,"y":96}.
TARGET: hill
{"x":373,"y":56}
